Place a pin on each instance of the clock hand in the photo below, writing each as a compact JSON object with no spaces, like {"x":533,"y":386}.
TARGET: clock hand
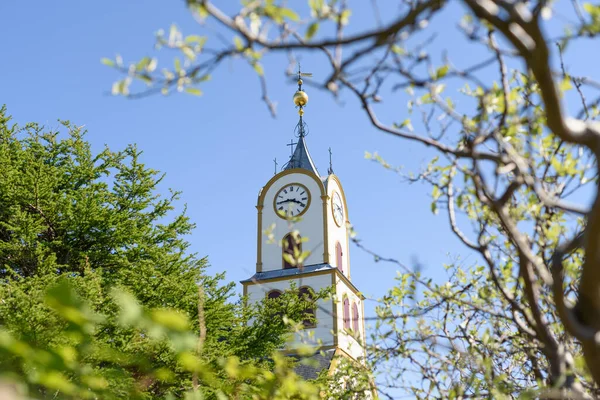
{"x":284,"y":201}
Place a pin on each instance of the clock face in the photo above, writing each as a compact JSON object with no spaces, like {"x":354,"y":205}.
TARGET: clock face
{"x":292,"y":200}
{"x":337,"y":209}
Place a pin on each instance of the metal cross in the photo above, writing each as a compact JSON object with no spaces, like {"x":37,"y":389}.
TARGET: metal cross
{"x":330,"y":164}
{"x":275,"y":161}
{"x":291,"y":144}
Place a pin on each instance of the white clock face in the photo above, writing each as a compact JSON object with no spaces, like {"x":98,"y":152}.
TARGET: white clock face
{"x":337,"y":209}
{"x":292,"y":200}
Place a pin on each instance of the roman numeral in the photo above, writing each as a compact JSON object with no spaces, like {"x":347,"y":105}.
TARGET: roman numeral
{"x":298,"y":210}
{"x":281,"y":208}
{"x":284,"y":191}
{"x":302,"y":193}
{"x":298,"y":188}
{"x":304,"y":198}
{"x":291,"y":188}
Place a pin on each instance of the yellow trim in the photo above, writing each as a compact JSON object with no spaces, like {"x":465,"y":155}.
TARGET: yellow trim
{"x":349,"y":284}
{"x":334,"y":362}
{"x":284,"y":216}
{"x":364,"y":329}
{"x":261,"y":200}
{"x":334,"y":310}
{"x":343,"y":195}
{"x":345,"y":353}
{"x":347,"y":222}
{"x":333,"y":193}
{"x":259,"y":240}
{"x":339,"y":352}
{"x":265,"y":189}
{"x":324,"y":199}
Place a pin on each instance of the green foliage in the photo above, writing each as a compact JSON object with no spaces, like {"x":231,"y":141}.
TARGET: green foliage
{"x":100,"y":297}
{"x":80,"y":367}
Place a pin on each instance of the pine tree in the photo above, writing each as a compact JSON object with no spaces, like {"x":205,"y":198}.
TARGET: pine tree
{"x":96,"y":224}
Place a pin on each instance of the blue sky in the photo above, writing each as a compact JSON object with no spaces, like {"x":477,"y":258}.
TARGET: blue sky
{"x":218,"y":148}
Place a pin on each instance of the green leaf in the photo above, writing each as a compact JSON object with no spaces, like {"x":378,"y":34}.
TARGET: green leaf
{"x":434,"y":208}
{"x":107,"y":61}
{"x":189,"y":53}
{"x":194,"y":91}
{"x":435,"y":192}
{"x":592,"y":9}
{"x":170,"y":319}
{"x":565,"y":84}
{"x":406,"y":123}
{"x":288,"y":13}
{"x":398,"y":50}
{"x":312,"y":30}
{"x":239,"y":44}
{"x":442,"y":71}
{"x":258,"y":68}
{"x":196,"y":39}
{"x":142,"y":64}
{"x":345,"y":16}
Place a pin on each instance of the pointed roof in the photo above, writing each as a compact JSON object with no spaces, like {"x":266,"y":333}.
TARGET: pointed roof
{"x":301,"y":158}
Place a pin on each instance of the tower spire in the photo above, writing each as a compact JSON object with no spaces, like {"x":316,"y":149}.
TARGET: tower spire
{"x":300,"y":158}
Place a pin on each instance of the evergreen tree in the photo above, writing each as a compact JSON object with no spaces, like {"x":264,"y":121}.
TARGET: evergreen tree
{"x":74,"y":226}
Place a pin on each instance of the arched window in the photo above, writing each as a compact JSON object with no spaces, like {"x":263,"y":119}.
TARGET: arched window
{"x":272,"y":295}
{"x":355,"y":317}
{"x":290,"y":242}
{"x":346,"y":304}
{"x":338,"y":257}
{"x":309,"y":313}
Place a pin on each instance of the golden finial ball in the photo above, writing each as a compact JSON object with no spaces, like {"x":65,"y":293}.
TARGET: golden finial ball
{"x":300,"y":98}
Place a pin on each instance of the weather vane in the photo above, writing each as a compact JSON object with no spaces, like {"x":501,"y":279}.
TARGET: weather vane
{"x":300,"y":100}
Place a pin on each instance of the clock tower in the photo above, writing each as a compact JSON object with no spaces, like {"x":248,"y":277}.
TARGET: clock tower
{"x":302,"y":238}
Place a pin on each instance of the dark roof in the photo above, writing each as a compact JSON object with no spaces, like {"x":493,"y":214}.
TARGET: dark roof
{"x":289,"y":272}
{"x":301,"y":158}
{"x":310,"y":367}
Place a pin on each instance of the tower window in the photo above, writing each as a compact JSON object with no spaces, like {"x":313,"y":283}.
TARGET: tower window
{"x":346,"y":304}
{"x":355,"y":317}
{"x":306,"y":293}
{"x":273,"y":294}
{"x":338,"y":257}
{"x":291,"y":245}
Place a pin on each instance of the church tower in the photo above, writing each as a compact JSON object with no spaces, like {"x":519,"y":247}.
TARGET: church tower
{"x":298,"y":199}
